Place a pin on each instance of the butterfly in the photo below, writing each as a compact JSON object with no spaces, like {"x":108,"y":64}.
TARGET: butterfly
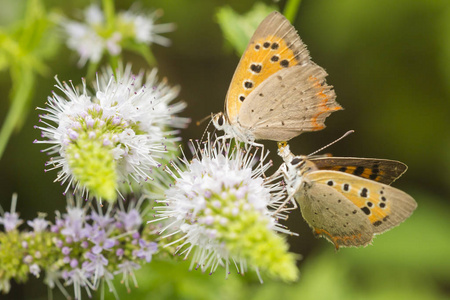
{"x":346,"y":200}
{"x":277,"y":92}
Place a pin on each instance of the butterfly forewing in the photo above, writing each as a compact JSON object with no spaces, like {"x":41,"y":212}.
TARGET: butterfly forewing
{"x":274,"y":46}
{"x":382,"y":170}
{"x":383,"y":205}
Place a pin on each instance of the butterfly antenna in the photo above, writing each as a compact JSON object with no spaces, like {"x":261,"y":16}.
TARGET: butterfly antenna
{"x":207,"y":126}
{"x":199,"y":122}
{"x":332,"y":143}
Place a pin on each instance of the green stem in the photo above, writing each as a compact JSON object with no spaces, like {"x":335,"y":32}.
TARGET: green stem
{"x":92,"y":69}
{"x":108,"y":8}
{"x":114,"y":64}
{"x":291,"y":9}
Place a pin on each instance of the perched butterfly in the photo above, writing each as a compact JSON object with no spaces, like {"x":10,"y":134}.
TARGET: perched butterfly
{"x":346,"y":200}
{"x":277,"y":92}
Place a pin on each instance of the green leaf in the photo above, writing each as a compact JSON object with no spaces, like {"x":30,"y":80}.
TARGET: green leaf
{"x":238,"y":29}
{"x":22,"y":90}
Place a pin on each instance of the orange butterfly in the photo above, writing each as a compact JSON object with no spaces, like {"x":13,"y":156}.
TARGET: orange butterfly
{"x":346,"y":200}
{"x":277,"y":92}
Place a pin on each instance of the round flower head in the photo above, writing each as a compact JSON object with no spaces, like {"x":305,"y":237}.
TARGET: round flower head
{"x":222,"y":206}
{"x":96,"y":36}
{"x":122,"y":131}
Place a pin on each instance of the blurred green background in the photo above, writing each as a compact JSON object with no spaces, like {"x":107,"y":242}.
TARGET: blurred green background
{"x":389,"y":62}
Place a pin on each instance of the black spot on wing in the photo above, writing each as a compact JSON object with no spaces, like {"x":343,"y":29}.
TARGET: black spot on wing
{"x":377,"y":223}
{"x":342,"y":169}
{"x":255,"y":68}
{"x":366,"y":210}
{"x":248,"y":84}
{"x":375,"y":171}
{"x":275,"y":58}
{"x":358,"y":171}
{"x":363,"y":193}
{"x":284,"y":63}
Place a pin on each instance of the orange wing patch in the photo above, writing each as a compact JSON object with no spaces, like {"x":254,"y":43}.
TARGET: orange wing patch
{"x":263,"y":58}
{"x":351,"y":240}
{"x":323,"y":106}
{"x":368,"y":173}
{"x":367,"y":196}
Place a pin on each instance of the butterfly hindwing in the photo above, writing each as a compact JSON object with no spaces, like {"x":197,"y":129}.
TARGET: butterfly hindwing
{"x":289,"y":102}
{"x":384,"y":206}
{"x":333,"y":216}
{"x":382,"y":170}
{"x":274,"y":46}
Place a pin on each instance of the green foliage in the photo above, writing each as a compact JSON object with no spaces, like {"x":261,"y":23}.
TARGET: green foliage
{"x":238,"y":29}
{"x":23,"y":49}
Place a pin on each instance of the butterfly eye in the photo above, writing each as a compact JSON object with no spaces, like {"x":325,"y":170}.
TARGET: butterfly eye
{"x":220,"y":120}
{"x":296,"y":161}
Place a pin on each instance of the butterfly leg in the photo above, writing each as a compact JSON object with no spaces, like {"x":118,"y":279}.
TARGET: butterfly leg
{"x":282,"y":207}
{"x":248,"y":147}
{"x":282,"y":170}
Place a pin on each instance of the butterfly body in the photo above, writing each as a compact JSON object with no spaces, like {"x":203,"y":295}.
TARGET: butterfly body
{"x":345,"y":208}
{"x":277,"y":92}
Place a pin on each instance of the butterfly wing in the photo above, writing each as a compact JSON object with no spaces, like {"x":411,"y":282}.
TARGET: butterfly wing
{"x":384,"y":206}
{"x":289,"y":102}
{"x":333,"y":216}
{"x":275,"y":45}
{"x":382,"y":170}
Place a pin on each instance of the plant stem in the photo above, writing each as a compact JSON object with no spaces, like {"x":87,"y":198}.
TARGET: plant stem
{"x":291,"y":9}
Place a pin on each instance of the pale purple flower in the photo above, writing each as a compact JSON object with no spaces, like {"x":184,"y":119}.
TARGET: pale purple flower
{"x":35,"y":270}
{"x":96,"y":266}
{"x":38,"y":224}
{"x":101,"y":220}
{"x":131,"y":220}
{"x":101,"y":241}
{"x":73,"y":225}
{"x":127,"y":268}
{"x":147,"y":250}
{"x":66,"y":250}
{"x":11,"y":221}
{"x":79,"y":278}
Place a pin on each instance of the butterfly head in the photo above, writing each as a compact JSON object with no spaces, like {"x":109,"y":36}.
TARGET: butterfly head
{"x":297,"y":165}
{"x":222,"y":122}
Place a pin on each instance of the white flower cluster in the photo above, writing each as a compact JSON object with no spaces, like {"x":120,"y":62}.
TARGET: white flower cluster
{"x":224,"y":209}
{"x":131,"y":117}
{"x":93,"y":37}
